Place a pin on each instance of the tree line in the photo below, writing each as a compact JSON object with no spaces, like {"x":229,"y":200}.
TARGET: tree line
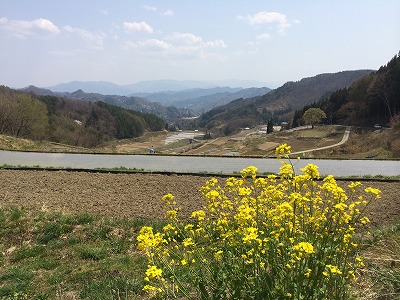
{"x":73,"y":122}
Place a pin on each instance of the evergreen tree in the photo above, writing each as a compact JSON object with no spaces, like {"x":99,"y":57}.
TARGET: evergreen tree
{"x":270,"y":127}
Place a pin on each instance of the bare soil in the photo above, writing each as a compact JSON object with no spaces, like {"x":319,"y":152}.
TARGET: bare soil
{"x":136,"y":195}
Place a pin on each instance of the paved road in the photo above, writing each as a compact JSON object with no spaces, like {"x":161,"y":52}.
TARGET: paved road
{"x":344,"y":140}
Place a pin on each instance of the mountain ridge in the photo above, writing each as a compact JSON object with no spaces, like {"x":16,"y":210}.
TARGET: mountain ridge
{"x":149,"y":86}
{"x":279,"y":102}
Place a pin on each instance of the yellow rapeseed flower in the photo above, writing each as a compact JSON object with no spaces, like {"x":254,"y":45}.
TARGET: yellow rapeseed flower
{"x":147,"y":239}
{"x":188,"y":242}
{"x":286,"y":171}
{"x":334,"y":269}
{"x":250,"y":171}
{"x":283,"y":149}
{"x":171,"y":214}
{"x":168,"y":198}
{"x":251,"y":234}
{"x":305,"y":247}
{"x":311,"y":170}
{"x":340,"y":206}
{"x":373,"y":191}
{"x":279,"y":226}
{"x":198,"y":214}
{"x":307,"y":273}
{"x":153,"y":272}
{"x":218,"y":254}
{"x":354,"y":185}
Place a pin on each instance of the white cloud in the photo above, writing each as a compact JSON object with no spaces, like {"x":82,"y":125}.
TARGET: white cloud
{"x":168,"y":12}
{"x":263,"y":37}
{"x":96,"y":40}
{"x":264,"y":17}
{"x":104,"y":12}
{"x":191,"y":39}
{"x":150,"y":8}
{"x":151,"y":44}
{"x":135,"y":26}
{"x":216,"y":44}
{"x":24,"y":29}
{"x":178,"y":44}
{"x":186,"y":38}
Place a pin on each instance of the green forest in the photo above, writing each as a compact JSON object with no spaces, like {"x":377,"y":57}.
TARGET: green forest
{"x":73,"y":122}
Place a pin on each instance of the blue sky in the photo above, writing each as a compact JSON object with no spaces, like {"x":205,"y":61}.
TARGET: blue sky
{"x":46,"y":42}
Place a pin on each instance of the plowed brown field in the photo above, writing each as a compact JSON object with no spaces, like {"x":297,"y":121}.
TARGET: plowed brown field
{"x":135,"y":195}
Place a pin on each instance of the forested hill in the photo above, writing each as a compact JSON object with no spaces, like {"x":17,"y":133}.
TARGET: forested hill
{"x":283,"y":100}
{"x":73,"y":122}
{"x":168,"y":113}
{"x":373,"y":99}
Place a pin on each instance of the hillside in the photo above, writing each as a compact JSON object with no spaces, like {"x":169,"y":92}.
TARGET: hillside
{"x":168,"y":113}
{"x":283,"y":100}
{"x":169,"y":105}
{"x":373,"y":99}
{"x":72,"y":122}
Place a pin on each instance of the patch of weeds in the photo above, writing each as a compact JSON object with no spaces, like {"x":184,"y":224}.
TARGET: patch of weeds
{"x":16,"y":214}
{"x":92,"y":252}
{"x":15,"y":280}
{"x":27,"y":251}
{"x":119,"y":245}
{"x":126,"y":263}
{"x":97,"y":260}
{"x":3,"y":218}
{"x":13,"y":227}
{"x":99,"y":232}
{"x":72,"y":240}
{"x":78,"y":219}
{"x":51,"y":231}
{"x":15,"y":296}
{"x":56,"y":278}
{"x":47,"y":264}
{"x":111,"y":287}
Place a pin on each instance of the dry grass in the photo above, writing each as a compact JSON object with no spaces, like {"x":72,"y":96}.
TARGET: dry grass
{"x":380,"y":280}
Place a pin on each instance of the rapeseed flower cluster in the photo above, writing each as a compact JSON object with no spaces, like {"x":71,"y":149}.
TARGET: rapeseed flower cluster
{"x":280,"y":237}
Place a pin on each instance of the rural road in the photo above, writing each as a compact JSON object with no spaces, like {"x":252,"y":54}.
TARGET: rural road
{"x":344,"y":140}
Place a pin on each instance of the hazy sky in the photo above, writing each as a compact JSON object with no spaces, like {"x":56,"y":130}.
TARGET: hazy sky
{"x":46,"y":42}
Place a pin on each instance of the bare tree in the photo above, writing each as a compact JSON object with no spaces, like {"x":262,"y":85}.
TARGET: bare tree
{"x":381,"y":90}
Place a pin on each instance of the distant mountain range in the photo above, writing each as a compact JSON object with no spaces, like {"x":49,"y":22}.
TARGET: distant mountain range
{"x":170,"y":105}
{"x":202,"y":100}
{"x":150,"y":86}
{"x":180,"y":99}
